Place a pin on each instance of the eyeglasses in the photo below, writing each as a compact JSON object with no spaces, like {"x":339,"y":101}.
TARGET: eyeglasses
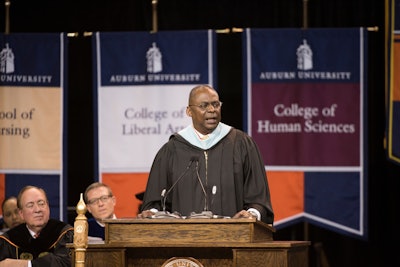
{"x":40,"y":203}
{"x":103,"y":199}
{"x":206,"y":105}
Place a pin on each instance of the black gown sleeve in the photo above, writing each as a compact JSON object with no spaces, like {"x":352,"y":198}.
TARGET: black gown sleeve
{"x":61,"y":256}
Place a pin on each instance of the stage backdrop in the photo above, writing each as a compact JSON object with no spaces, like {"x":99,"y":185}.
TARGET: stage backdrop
{"x":32,"y":110}
{"x":142,"y":84}
{"x":393,"y":80}
{"x":305,"y":101}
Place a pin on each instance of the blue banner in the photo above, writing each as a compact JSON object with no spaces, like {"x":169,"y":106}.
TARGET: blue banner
{"x":32,"y":116}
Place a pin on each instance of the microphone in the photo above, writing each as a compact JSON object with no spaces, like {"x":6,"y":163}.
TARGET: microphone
{"x":205,"y":213}
{"x":164,"y":194}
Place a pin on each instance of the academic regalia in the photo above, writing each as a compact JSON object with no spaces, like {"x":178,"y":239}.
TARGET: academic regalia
{"x":230,"y":167}
{"x":48,"y":249}
{"x":95,"y":229}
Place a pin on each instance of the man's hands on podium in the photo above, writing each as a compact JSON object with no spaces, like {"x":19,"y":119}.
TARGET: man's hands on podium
{"x":245,"y":214}
{"x":145,"y":214}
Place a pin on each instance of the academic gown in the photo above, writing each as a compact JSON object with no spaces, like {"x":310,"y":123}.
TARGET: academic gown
{"x":95,"y":229}
{"x":232,"y":173}
{"x":49,"y":249}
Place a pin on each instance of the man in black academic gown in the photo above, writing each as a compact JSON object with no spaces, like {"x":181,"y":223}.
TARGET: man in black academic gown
{"x":208,"y":168}
{"x":40,"y":241}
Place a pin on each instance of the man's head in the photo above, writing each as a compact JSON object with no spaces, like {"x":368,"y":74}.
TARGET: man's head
{"x":34,"y":207}
{"x":100,"y":201}
{"x":10,"y":212}
{"x":204,"y":108}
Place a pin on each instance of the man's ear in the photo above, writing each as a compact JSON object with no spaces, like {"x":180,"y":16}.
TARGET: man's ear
{"x":188,"y":111}
{"x":21,"y":214}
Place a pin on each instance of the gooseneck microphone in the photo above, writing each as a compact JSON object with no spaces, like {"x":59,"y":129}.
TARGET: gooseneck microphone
{"x":205,"y":213}
{"x":164,"y":194}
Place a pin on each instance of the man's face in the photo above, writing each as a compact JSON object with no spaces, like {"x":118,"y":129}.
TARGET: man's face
{"x":11,"y":214}
{"x":204,"y":120}
{"x":35,"y":209}
{"x":100,"y":203}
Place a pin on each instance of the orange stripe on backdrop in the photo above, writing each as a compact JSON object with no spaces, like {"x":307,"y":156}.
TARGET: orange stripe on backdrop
{"x":125,"y":186}
{"x":2,"y":188}
{"x":287,"y":193}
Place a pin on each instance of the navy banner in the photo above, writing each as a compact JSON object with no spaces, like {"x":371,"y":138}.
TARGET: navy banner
{"x":32,"y":110}
{"x":142,"y":83}
{"x":305,"y":105}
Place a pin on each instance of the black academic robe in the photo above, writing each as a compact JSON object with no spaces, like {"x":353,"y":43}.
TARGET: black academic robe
{"x":95,"y":229}
{"x":232,"y":173}
{"x":49,"y":249}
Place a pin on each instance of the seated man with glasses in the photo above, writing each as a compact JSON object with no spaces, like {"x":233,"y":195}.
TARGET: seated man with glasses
{"x":100,"y":203}
{"x":40,"y":240}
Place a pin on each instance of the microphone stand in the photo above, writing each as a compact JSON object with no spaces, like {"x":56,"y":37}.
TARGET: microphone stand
{"x":205,"y":214}
{"x":164,"y":213}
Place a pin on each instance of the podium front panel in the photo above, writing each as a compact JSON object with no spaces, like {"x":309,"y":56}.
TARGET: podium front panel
{"x":187,"y":230}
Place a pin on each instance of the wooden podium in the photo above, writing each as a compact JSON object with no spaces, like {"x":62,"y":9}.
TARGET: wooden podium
{"x":211,"y":242}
